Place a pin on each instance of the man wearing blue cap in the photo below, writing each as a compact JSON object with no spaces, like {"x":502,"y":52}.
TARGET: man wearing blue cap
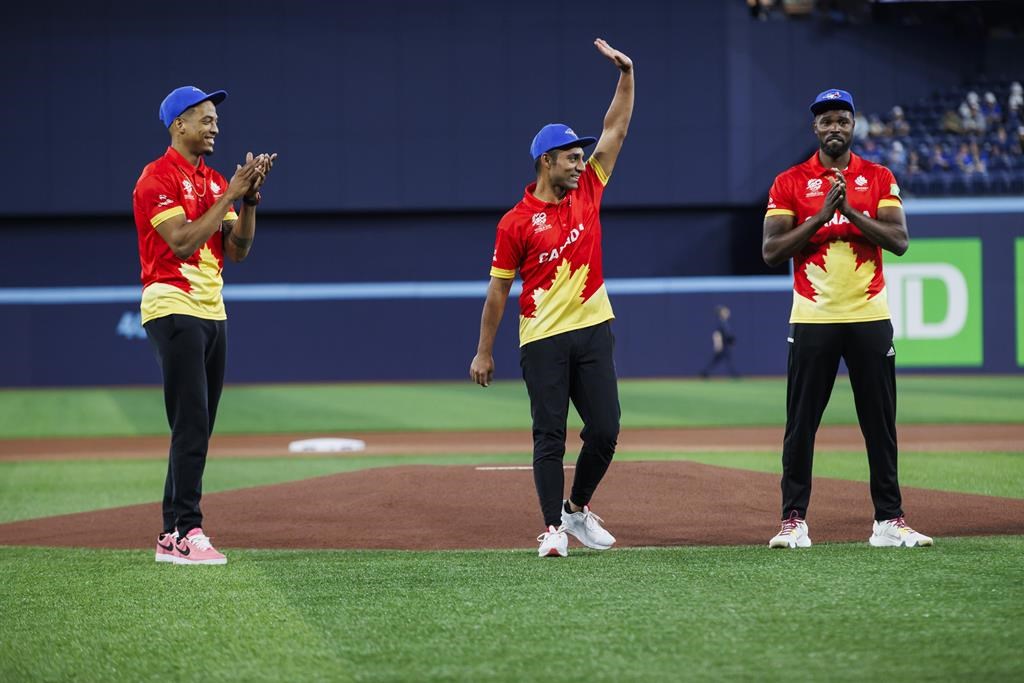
{"x":553,"y":238}
{"x":833,"y":215}
{"x":186,"y":223}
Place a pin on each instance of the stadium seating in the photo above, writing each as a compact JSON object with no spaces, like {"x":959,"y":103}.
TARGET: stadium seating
{"x":977,"y":130}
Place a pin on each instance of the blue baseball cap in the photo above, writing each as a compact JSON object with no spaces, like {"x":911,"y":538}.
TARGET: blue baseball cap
{"x":183,"y":98}
{"x":556,"y":136}
{"x":832,"y":99}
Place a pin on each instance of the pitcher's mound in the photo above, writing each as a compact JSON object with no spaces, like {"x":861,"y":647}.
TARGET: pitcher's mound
{"x":427,"y":507}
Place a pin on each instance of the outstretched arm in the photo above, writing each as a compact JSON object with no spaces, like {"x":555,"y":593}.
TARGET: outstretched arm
{"x":616,"y":120}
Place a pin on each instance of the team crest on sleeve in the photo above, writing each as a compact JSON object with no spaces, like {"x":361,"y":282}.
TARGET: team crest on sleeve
{"x":771,"y":202}
{"x":894,"y":190}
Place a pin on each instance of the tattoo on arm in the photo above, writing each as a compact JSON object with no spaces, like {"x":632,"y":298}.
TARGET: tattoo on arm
{"x":242,"y":243}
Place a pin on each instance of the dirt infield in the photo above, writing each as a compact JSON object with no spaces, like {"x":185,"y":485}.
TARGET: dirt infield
{"x":426,"y":507}
{"x":463,"y":507}
{"x":939,"y":437}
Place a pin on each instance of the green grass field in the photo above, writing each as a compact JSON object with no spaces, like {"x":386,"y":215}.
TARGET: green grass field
{"x":834,"y":612}
{"x":265,"y":409}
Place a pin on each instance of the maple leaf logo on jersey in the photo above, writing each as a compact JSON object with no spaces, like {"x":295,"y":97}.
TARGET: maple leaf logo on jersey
{"x":840,"y":272}
{"x":204,"y":276}
{"x":215,"y":187}
{"x":566,"y":291}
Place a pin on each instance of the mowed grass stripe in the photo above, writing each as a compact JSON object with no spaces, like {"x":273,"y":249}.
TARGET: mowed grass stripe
{"x":262,"y":409}
{"x":43,"y":488}
{"x":626,"y":615}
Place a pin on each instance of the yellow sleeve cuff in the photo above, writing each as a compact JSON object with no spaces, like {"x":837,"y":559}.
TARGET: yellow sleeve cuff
{"x":889,"y":202}
{"x":164,"y":215}
{"x":779,"y":212}
{"x":502,"y":273}
{"x":601,"y":175}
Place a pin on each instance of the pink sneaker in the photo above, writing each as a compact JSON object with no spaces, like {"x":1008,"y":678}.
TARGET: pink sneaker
{"x":196,"y":548}
{"x":165,"y":551}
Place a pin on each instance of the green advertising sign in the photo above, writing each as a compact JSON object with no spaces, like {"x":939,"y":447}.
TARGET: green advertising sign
{"x":934,"y":293}
{"x":1019,"y":249}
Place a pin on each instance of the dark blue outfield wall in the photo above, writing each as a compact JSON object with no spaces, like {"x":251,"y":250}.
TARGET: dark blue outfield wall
{"x":370,"y":311}
{"x":397,"y":105}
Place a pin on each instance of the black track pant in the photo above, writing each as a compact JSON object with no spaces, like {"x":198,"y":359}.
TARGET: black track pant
{"x":191,"y":353}
{"x":814,"y":354}
{"x":576,"y":366}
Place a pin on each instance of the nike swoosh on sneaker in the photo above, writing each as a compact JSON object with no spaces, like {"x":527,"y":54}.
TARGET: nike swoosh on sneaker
{"x":183,"y":550}
{"x":166,"y":547}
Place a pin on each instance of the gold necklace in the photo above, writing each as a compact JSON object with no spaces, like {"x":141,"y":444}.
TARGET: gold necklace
{"x":198,"y":193}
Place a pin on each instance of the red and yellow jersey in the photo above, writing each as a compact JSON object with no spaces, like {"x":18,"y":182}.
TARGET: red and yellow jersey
{"x":837,"y":276}
{"x":168,"y":187}
{"x":557,"y":250}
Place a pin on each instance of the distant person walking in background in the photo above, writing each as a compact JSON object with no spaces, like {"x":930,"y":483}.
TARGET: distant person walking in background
{"x":722,"y":340}
{"x":553,"y":238}
{"x":186,"y":222}
{"x":833,"y":214}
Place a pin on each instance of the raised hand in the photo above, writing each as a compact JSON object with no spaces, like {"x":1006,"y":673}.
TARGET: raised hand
{"x":624,"y":63}
{"x":263,"y":162}
{"x":241,"y":182}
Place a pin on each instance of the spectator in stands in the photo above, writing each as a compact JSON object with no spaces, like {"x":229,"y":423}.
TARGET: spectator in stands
{"x":861,"y":130}
{"x":897,"y":157}
{"x":971,"y":120}
{"x":1017,"y":145}
{"x":952,"y":122}
{"x":968,"y":159}
{"x":1000,"y":138}
{"x":876,"y":128}
{"x":991,"y":110}
{"x":939,"y":160}
{"x":1013,"y":110}
{"x":760,"y":9}
{"x":870,"y":151}
{"x":979,"y":157}
{"x":897,"y":123}
{"x":997,"y":158}
{"x":914,"y":164}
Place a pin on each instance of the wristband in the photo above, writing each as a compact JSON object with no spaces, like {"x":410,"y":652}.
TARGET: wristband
{"x":252,"y":202}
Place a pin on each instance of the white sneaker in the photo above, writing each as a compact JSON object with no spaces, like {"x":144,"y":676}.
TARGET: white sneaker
{"x":553,"y":543}
{"x":586,"y":526}
{"x":793,"y":534}
{"x":894,"y":533}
